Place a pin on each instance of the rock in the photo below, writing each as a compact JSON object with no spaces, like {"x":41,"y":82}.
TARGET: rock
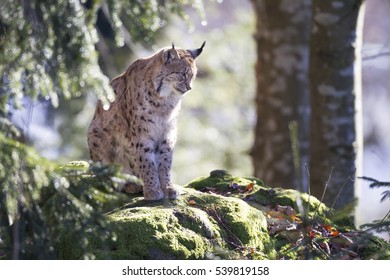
{"x":219,"y":173}
{"x":223,"y":217}
{"x":259,"y":196}
{"x":215,"y":226}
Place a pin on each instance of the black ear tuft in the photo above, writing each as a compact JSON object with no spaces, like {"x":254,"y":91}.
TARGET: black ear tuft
{"x":197,"y":52}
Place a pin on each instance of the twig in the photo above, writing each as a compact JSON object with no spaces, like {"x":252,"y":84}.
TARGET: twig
{"x":385,"y":217}
{"x":342,"y":187}
{"x":325,"y":188}
{"x":214,"y":214}
{"x":327,"y":184}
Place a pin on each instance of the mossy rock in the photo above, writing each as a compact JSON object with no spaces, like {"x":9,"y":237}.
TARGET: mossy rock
{"x":302,"y":222}
{"x":216,"y":217}
{"x":195,"y":226}
{"x":255,"y":193}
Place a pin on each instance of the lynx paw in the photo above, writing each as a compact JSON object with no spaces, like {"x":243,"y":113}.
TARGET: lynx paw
{"x":153,"y":194}
{"x":172,"y":192}
{"x":131,"y":188}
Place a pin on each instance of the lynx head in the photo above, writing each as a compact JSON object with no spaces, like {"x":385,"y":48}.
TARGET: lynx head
{"x":178,"y":70}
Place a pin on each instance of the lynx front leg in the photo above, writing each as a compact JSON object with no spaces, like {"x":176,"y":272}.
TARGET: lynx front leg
{"x":148,"y":170}
{"x":164,"y":170}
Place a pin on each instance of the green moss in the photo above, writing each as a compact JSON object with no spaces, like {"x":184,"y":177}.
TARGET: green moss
{"x":198,"y":221}
{"x":211,"y":225}
{"x":145,"y":233}
{"x":259,"y":196}
{"x":301,"y":202}
{"x":242,"y":224}
{"x":192,"y":231}
{"x":223,"y":182}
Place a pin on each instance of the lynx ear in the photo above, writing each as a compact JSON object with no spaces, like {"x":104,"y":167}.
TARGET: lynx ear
{"x":197,"y":52}
{"x":118,"y":84}
{"x":170,"y":54}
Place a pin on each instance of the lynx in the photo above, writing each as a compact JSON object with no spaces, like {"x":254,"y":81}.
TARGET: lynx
{"x":138,"y":131}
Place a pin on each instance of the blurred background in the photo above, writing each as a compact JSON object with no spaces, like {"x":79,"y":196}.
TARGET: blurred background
{"x":217,"y":119}
{"x":376,"y":100}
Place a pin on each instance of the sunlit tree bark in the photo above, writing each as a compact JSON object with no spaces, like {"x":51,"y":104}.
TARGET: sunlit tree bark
{"x":282,"y":36}
{"x":332,"y":96}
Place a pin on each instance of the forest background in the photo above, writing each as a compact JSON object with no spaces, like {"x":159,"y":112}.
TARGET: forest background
{"x":216,"y":126}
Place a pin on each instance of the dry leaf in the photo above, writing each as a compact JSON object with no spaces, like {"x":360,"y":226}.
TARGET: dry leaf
{"x":335,"y":233}
{"x":327,"y":227}
{"x":249,"y":187}
{"x":192,"y":202}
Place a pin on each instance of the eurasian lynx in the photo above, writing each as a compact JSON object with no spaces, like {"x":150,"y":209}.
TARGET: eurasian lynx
{"x":138,"y":131}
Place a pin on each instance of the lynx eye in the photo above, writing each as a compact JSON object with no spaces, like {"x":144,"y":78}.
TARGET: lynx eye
{"x":180,"y":75}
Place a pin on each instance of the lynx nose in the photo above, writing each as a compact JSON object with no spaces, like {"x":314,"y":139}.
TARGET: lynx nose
{"x":188,"y":87}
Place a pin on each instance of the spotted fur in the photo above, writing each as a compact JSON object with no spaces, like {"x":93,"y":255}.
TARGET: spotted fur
{"x":138,"y":131}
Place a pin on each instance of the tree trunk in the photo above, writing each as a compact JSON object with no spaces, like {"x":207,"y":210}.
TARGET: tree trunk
{"x":282,"y":36}
{"x":333,"y":100}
